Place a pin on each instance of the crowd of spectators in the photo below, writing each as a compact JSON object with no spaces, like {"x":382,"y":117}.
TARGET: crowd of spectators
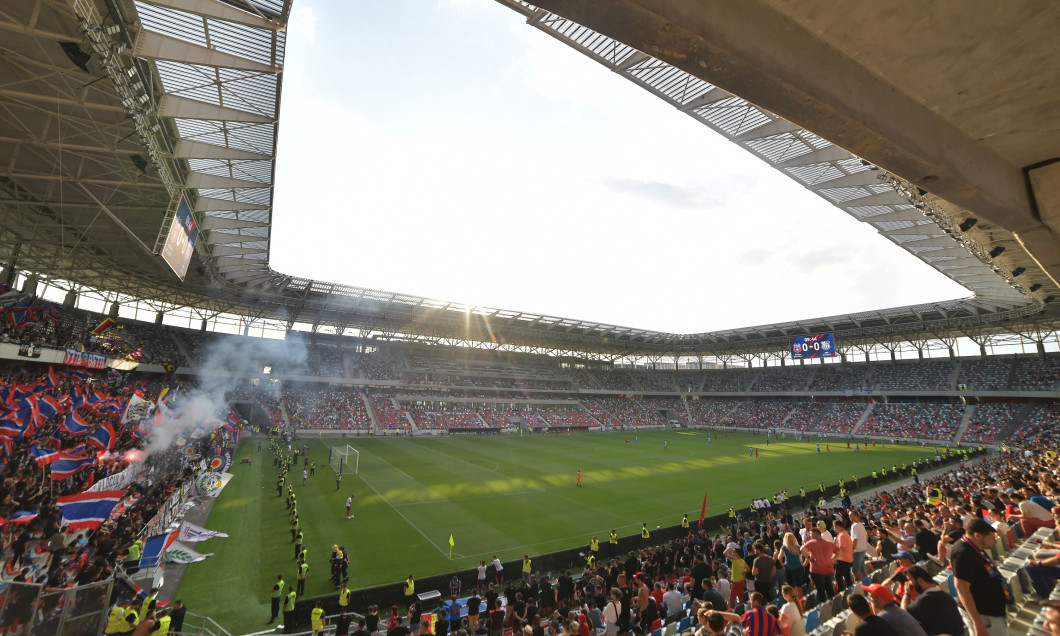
{"x":989,"y":420}
{"x":727,"y":380}
{"x":781,"y":379}
{"x":710,"y":412}
{"x":1037,"y":374}
{"x":759,"y":413}
{"x":1040,"y":431}
{"x":841,"y":417}
{"x":615,"y":380}
{"x":804,"y":414}
{"x":913,"y":421}
{"x":922,"y":375}
{"x":327,"y":408}
{"x":36,"y":547}
{"x":839,"y":377}
{"x":387,"y":415}
{"x":987,"y":374}
{"x":444,"y":416}
{"x":598,"y":409}
{"x":378,"y":366}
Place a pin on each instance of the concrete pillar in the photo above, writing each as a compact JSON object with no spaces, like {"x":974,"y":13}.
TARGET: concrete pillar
{"x":113,"y":313}
{"x":31,"y":285}
{"x":70,"y":300}
{"x":202,"y":327}
{"x":982,"y":350}
{"x":158,"y":319}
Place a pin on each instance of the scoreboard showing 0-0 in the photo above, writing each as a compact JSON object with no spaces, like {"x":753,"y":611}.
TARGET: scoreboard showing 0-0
{"x":819,"y":345}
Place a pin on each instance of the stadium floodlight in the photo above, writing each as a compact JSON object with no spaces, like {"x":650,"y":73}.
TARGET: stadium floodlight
{"x":344,"y":460}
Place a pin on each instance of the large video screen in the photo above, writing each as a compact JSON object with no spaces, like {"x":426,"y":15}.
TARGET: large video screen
{"x":819,"y":345}
{"x":180,"y":243}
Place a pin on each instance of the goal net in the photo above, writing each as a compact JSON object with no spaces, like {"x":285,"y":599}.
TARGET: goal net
{"x":344,"y":460}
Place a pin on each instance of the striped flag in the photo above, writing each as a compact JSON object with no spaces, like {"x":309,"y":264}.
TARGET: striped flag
{"x":103,"y":438}
{"x":43,"y":456}
{"x":67,"y":466}
{"x":75,"y":424}
{"x":55,"y":313}
{"x":103,"y":326}
{"x":88,"y":509}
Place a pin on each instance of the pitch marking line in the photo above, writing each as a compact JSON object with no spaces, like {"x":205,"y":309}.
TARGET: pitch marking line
{"x":478,"y":497}
{"x":412,"y":525}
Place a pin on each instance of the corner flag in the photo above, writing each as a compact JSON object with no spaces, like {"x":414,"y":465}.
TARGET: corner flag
{"x":451,"y":544}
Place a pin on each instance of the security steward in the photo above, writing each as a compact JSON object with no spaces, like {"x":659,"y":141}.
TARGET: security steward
{"x":288,"y":612}
{"x":277,"y":593}
{"x":316,"y":618}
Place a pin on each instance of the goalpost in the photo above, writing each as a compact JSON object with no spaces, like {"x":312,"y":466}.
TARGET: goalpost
{"x":343,"y":460}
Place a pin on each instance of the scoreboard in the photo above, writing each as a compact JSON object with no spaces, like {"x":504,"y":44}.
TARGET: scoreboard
{"x":820,"y":345}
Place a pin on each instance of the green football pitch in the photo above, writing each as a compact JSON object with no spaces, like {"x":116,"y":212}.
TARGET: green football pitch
{"x":498,"y":494}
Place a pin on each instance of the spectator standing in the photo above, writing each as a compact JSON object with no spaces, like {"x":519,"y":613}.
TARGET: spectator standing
{"x":821,"y":555}
{"x":980,"y":587}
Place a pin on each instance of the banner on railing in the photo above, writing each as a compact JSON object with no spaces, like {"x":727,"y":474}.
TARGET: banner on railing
{"x":84,"y":359}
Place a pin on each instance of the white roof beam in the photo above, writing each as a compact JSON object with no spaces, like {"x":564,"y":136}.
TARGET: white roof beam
{"x":225,"y":250}
{"x":184,"y":108}
{"x":203,"y":180}
{"x":186,"y":149}
{"x":218,"y":223}
{"x":224,"y":238}
{"x":828,"y":153}
{"x":210,"y":204}
{"x":155,"y":46}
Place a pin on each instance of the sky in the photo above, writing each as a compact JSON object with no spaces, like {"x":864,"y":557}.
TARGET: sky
{"x":445,"y":149}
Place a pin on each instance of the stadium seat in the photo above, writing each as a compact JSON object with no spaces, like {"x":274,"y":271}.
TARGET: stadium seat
{"x":683,"y":625}
{"x":670,"y":629}
{"x":812,"y":620}
{"x":824,"y":612}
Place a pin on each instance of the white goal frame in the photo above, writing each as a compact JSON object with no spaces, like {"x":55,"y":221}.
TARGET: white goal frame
{"x":339,"y":459}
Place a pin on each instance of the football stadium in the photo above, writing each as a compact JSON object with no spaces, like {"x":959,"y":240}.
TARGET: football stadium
{"x":842,"y":223}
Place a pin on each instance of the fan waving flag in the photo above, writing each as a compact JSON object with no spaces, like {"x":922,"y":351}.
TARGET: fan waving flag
{"x":67,"y":466}
{"x":88,"y":509}
{"x":55,"y":313}
{"x":703,"y":511}
{"x":43,"y":456}
{"x":75,"y":424}
{"x":103,"y":326}
{"x":103,"y":438}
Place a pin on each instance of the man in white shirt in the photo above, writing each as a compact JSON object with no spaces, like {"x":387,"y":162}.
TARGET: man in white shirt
{"x":672,"y":600}
{"x":825,"y":534}
{"x":861,"y":543}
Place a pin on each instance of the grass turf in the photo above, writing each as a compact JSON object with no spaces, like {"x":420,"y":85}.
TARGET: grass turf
{"x":505,"y":495}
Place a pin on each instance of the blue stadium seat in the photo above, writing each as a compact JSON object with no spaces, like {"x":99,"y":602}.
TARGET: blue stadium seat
{"x":813,"y":620}
{"x":685,"y":622}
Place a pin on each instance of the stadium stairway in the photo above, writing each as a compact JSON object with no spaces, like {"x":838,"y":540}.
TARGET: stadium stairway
{"x":371,"y":412}
{"x":954,"y":375}
{"x":181,"y":347}
{"x":966,"y":419}
{"x":864,"y":416}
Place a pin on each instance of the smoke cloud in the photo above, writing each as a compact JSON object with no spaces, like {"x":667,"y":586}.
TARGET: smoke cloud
{"x":228,"y":363}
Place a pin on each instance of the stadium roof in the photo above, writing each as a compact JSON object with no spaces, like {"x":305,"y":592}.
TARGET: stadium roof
{"x":111,"y":109}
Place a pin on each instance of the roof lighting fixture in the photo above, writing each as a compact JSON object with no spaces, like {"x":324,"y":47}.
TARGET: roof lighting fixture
{"x":997,"y":251}
{"x":968,"y":223}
